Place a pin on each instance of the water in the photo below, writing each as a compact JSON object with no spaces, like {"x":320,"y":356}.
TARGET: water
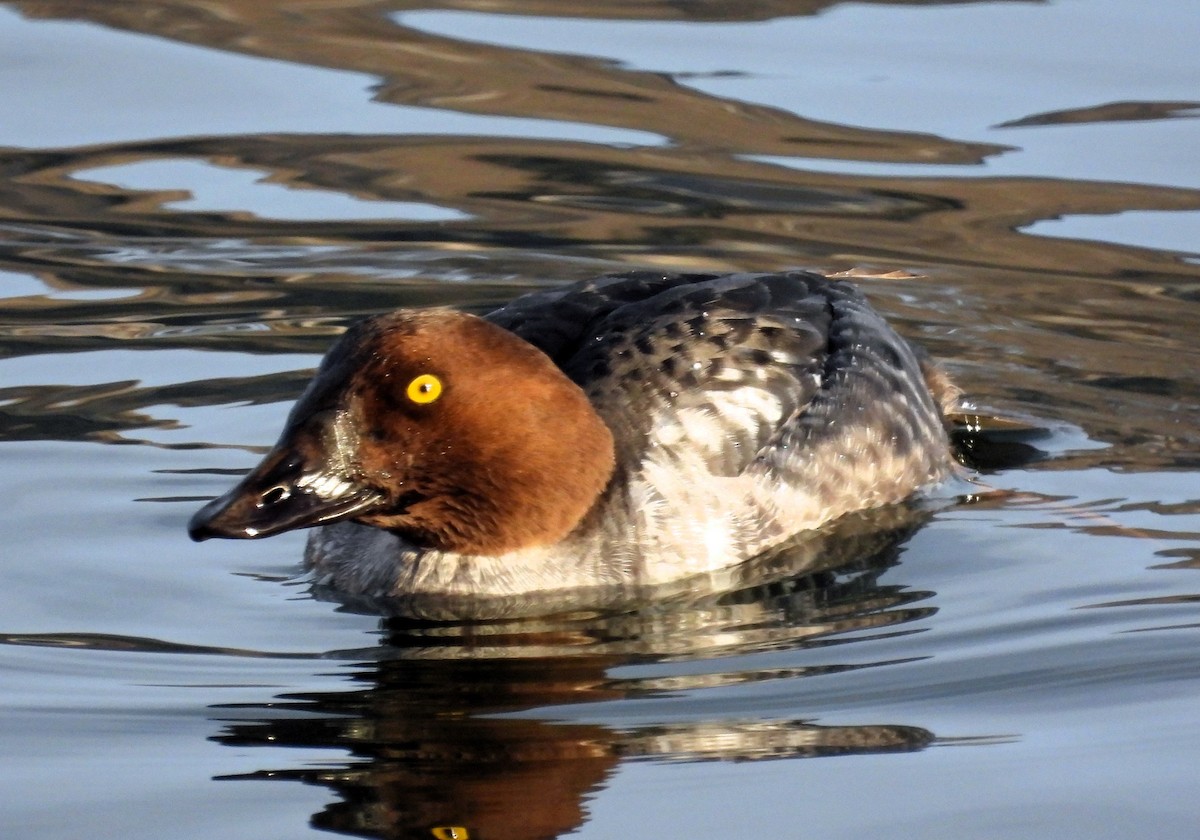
{"x":197,"y":196}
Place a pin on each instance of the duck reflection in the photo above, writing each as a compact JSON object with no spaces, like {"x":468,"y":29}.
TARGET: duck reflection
{"x":464,"y":730}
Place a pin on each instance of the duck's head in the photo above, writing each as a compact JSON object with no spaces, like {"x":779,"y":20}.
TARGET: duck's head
{"x":440,"y":426}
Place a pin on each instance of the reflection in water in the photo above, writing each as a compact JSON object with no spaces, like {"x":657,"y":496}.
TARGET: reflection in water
{"x":421,"y":69}
{"x":425,"y":753}
{"x":1110,"y":112}
{"x":430,"y":745}
{"x":529,"y":211}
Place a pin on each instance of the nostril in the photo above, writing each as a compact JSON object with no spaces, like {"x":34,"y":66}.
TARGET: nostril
{"x":274,"y":496}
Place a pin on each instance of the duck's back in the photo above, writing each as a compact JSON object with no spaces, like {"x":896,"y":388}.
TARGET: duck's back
{"x":707,"y":363}
{"x":744,"y":407}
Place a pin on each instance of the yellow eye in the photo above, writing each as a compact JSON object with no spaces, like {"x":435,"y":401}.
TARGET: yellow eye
{"x":424,"y":389}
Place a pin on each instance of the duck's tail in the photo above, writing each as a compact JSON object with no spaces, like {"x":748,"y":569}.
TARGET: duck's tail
{"x":947,"y":395}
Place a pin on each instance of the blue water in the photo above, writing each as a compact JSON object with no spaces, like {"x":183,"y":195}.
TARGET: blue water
{"x":198,"y":197}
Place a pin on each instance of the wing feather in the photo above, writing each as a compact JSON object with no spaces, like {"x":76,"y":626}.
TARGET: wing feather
{"x":702,"y":364}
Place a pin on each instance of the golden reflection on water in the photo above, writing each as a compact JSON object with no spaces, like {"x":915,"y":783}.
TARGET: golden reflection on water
{"x":1063,"y":330}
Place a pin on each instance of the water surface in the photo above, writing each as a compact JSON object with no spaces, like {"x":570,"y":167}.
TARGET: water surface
{"x":196,"y":197}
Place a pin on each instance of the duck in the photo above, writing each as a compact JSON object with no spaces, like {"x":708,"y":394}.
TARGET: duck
{"x":632,"y":430}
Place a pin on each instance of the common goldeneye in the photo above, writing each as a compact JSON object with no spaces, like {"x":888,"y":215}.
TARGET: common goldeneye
{"x":630,"y":430}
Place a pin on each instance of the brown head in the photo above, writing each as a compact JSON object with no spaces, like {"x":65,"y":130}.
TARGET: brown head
{"x":441,"y":426}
